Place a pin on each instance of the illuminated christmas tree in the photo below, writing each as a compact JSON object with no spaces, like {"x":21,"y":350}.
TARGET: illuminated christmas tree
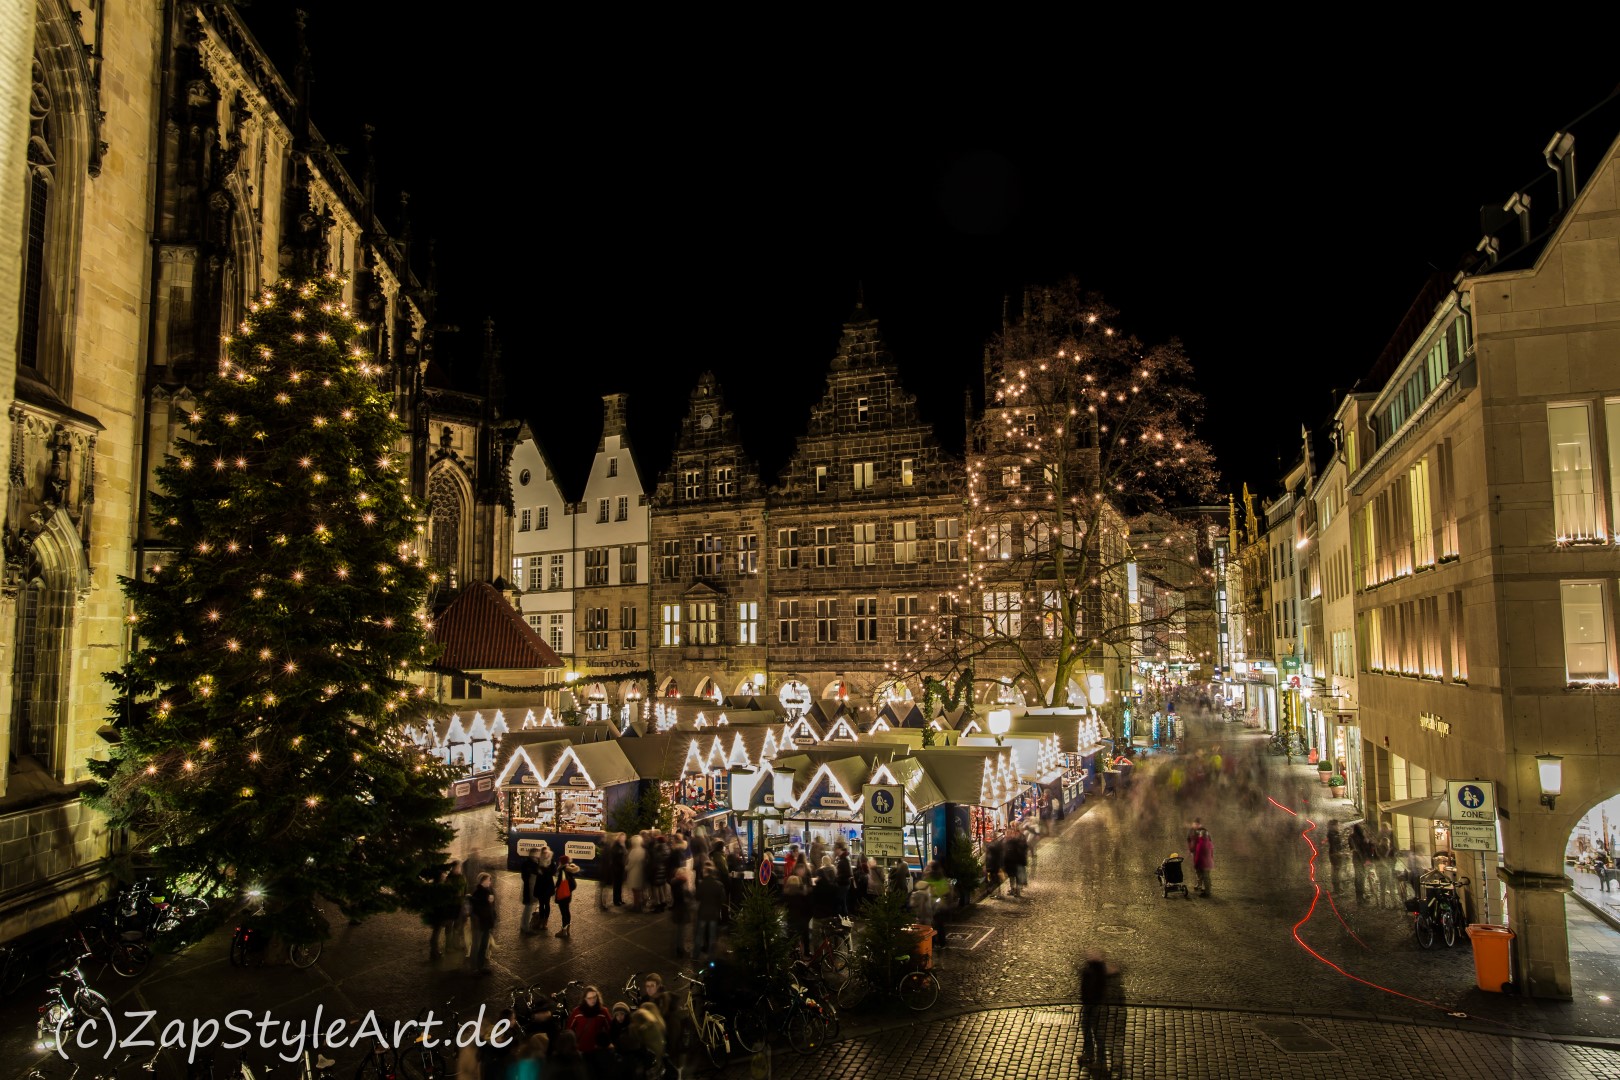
{"x":1087,"y":440}
{"x":260,"y":716}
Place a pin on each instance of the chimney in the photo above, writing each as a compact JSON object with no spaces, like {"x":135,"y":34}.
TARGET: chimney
{"x":1519,"y":207}
{"x":614,"y":407}
{"x":1560,"y":156}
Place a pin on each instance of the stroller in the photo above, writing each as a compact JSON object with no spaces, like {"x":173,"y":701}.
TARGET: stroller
{"x":1170,"y":876}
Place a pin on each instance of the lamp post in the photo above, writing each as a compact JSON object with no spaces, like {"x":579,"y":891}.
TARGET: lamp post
{"x":1550,"y":771}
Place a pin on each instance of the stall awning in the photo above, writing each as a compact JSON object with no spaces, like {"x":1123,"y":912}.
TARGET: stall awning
{"x":1427,"y":806}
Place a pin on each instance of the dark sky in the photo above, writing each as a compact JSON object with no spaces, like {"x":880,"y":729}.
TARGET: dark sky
{"x":631,"y":214}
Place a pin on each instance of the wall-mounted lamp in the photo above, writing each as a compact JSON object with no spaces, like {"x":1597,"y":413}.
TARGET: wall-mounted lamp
{"x":1000,"y":721}
{"x":1550,"y":770}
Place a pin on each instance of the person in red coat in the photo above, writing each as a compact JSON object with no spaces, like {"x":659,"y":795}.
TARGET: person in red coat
{"x":591,"y":1022}
{"x":1203,"y":857}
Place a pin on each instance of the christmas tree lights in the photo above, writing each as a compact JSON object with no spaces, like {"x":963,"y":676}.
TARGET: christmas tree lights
{"x":262,"y":716}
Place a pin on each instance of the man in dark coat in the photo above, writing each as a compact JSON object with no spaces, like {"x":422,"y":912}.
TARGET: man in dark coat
{"x":618,"y":862}
{"x":844,"y":874}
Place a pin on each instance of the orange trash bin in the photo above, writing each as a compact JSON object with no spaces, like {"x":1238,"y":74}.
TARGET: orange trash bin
{"x":1493,"y":956}
{"x":920,"y":940}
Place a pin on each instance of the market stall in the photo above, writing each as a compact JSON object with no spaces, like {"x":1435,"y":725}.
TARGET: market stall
{"x":1035,"y":756}
{"x":1081,"y":750}
{"x":978,"y":785}
{"x":563,"y":794}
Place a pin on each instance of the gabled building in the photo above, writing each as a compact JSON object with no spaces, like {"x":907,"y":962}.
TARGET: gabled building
{"x":708,"y":568}
{"x":865,"y":538}
{"x":610,"y":570}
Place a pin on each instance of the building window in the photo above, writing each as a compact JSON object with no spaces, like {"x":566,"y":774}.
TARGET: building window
{"x":706,"y":548}
{"x":787,"y":549}
{"x":517,"y":571}
{"x":1586,"y":632}
{"x":865,"y":543}
{"x":537,"y":623}
{"x":692,"y":484}
{"x":947,"y":539}
{"x":596,"y":624}
{"x":1051,"y":614}
{"x":537,"y":574}
{"x":863,"y":410}
{"x":525,"y":516}
{"x":907,"y":471}
{"x":627,"y":564}
{"x":905,"y":618}
{"x":1458,"y":619}
{"x":826,"y":621}
{"x":998,"y":540}
{"x":1611,"y":427}
{"x":1417,"y":479}
{"x":1029,"y":425}
{"x":821,"y":479}
{"x":748,"y":623}
{"x":557,"y":633}
{"x":1012,"y":476}
{"x":787,"y":622}
{"x":701,"y":623}
{"x":949,"y":610}
{"x":557,"y":565}
{"x":725,"y":482}
{"x":596,"y":566}
{"x":613,"y":466}
{"x":622,"y":511}
{"x":748,"y":553}
{"x":628,"y":616}
{"x":601,"y":511}
{"x":545,"y":518}
{"x":866,"y":618}
{"x":1569,"y":431}
{"x":826,"y":554}
{"x":863,"y":475}
{"x":1003,"y":613}
{"x":672,"y":624}
{"x":905,"y":542}
{"x":671,"y":559}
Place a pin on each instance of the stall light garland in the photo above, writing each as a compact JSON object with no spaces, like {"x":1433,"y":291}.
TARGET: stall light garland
{"x":530,"y":688}
{"x":263,"y":712}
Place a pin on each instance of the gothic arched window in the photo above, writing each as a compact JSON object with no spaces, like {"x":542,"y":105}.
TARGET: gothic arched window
{"x":444,"y":522}
{"x":37,"y":689}
{"x":41,"y":175}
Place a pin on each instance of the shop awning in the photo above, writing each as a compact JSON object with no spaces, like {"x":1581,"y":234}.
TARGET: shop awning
{"x":1427,"y":806}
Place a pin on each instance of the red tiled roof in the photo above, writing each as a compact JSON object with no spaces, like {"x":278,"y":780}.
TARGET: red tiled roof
{"x":480,"y":631}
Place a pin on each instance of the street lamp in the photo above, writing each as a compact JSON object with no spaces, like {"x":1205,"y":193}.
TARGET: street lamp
{"x":1000,"y":721}
{"x":1550,"y":770}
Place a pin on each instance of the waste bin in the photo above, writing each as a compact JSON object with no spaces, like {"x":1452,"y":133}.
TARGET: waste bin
{"x":1493,"y":948}
{"x":920,"y":941}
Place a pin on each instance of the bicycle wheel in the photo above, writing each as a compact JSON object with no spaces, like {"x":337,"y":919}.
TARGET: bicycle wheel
{"x":1425,"y":931}
{"x":835,"y":963}
{"x":1448,"y":927}
{"x":422,"y":1063}
{"x":87,"y":1002}
{"x":806,"y":1030}
{"x":715,"y":1040}
{"x":239,"y":948}
{"x":304,"y":954}
{"x":374,"y":1066}
{"x":752,"y":1026}
{"x":919,"y":990}
{"x":129,"y":958}
{"x":854,"y":991}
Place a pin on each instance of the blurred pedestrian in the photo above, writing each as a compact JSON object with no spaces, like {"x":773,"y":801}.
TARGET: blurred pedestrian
{"x":1095,"y":1000}
{"x":618,"y":864}
{"x":710,"y":901}
{"x":1203,"y":857}
{"x":538,"y":886}
{"x":680,"y":894}
{"x":567,"y":885}
{"x":1335,"y":850}
{"x":635,"y":871}
{"x":1361,"y":852}
{"x":482,"y":902}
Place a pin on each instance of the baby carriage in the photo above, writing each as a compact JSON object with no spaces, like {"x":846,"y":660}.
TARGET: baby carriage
{"x":1170,"y":877}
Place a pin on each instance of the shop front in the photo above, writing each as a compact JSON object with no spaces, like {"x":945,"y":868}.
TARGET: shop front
{"x":1035,"y":756}
{"x":979,"y":787}
{"x":569,"y":806}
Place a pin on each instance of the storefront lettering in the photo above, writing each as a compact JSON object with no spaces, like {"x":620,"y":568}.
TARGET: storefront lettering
{"x":1431,"y":722}
{"x":579,"y":780}
{"x":833,"y":802}
{"x":530,"y":778}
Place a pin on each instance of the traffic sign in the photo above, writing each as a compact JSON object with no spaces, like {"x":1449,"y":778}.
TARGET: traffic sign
{"x":883,"y":806}
{"x":1472,"y":836}
{"x":765,"y":870}
{"x":1472,"y":800}
{"x":883,"y":843}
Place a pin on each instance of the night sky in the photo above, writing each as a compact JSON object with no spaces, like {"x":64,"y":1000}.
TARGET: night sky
{"x":630,"y":215}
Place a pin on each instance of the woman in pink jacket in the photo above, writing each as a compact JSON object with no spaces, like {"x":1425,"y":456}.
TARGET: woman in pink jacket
{"x":1203,"y":858}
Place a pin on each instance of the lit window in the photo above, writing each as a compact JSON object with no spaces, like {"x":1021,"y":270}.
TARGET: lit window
{"x":863,"y":410}
{"x":905,"y":542}
{"x":1569,"y":431}
{"x":1586,"y":632}
{"x":557,"y":564}
{"x":748,"y":623}
{"x":907,"y":466}
{"x":672,"y":624}
{"x":1003,"y":613}
{"x":701,"y":623}
{"x":692,"y":484}
{"x":821,"y":479}
{"x":1011,"y":476}
{"x":863,"y":475}
{"x":865,"y":543}
{"x":725,"y":481}
{"x":557,"y":633}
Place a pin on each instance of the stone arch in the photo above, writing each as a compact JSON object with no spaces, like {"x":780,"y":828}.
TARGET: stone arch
{"x":891,"y":689}
{"x":449,"y":536}
{"x":841,"y":689}
{"x":669,"y":687}
{"x":64,"y":149}
{"x":708,"y":688}
{"x":751,"y":685}
{"x":53,"y":576}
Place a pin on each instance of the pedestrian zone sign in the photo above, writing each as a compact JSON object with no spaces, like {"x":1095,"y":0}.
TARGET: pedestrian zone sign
{"x":883,"y":806}
{"x":1472,"y":801}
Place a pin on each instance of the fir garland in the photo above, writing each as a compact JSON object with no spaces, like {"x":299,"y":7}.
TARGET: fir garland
{"x":934,"y":694}
{"x":537,"y":688}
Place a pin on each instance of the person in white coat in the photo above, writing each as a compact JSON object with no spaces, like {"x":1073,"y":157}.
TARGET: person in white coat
{"x":635,"y":872}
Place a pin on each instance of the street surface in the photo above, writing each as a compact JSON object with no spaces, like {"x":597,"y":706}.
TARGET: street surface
{"x":1199,"y":975}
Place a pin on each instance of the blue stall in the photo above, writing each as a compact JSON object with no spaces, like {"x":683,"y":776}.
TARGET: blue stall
{"x":563,"y":794}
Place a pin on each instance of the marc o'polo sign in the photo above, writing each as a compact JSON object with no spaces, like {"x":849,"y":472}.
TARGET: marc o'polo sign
{"x":1472,"y":800}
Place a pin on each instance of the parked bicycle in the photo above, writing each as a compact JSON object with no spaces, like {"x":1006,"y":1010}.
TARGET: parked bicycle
{"x":1291,"y":743}
{"x":251,"y":941}
{"x":1438,"y":912}
{"x":68,"y":1002}
{"x":917,"y":988}
{"x":419,"y":1061}
{"x":798,"y":1008}
{"x":831,"y":951}
{"x":708,"y":1028}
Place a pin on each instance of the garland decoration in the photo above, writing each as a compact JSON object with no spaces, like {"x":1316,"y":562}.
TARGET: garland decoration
{"x":934,"y":693}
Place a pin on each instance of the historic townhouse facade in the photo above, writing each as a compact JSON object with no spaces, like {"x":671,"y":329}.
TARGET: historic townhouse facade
{"x":865,"y":535}
{"x":709,"y":567}
{"x":610,"y":566}
{"x":542,"y":545}
{"x":1484,"y":515}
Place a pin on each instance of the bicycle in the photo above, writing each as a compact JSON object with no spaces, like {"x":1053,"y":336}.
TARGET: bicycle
{"x":251,"y":942}
{"x":709,"y":1028}
{"x":1439,"y":911}
{"x":62,"y":1010}
{"x":793,"y":1008}
{"x":421,"y":1061}
{"x":831,"y":951}
{"x":917,"y":989}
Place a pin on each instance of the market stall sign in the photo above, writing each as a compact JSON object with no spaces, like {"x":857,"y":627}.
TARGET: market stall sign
{"x":579,"y":849}
{"x":579,"y":780}
{"x":883,"y":806}
{"x":883,"y":843}
{"x":531,"y":778}
{"x":833,"y":802}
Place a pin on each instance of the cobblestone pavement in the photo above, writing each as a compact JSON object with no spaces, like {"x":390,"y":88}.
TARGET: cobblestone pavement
{"x":1092,"y":887}
{"x":1189,"y":1044}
